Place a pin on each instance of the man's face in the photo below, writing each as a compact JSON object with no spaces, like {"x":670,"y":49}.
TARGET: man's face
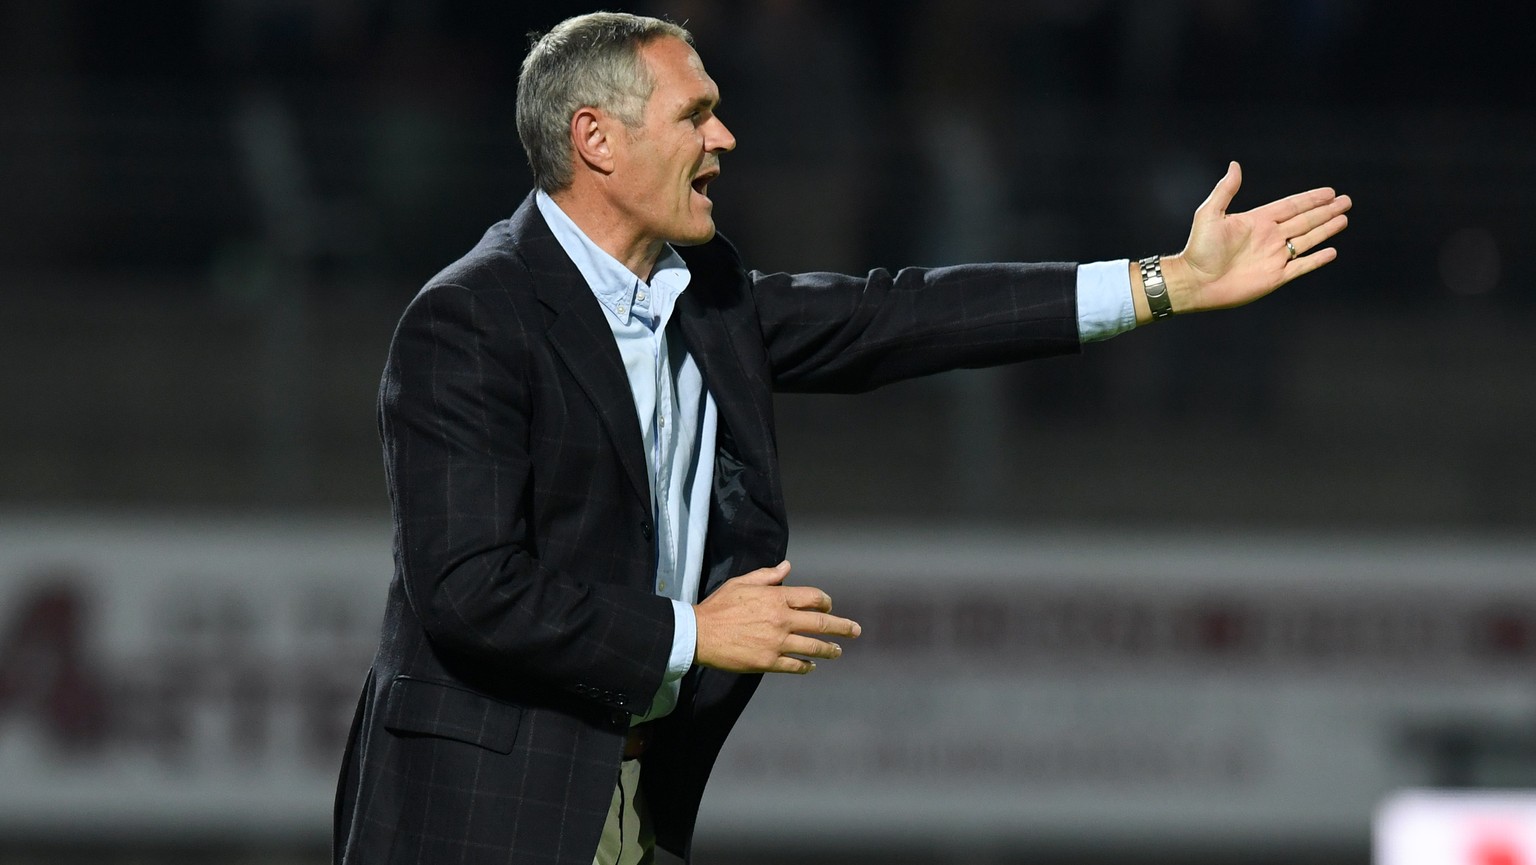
{"x":665,"y":165}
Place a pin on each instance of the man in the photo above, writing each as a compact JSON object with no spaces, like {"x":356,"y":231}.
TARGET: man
{"x":578,"y":436}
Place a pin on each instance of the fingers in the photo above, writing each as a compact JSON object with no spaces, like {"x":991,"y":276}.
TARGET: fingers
{"x":1306,"y":223}
{"x":795,"y":597}
{"x":809,"y":647}
{"x":1291,"y":206}
{"x":765,"y":576}
{"x":807,"y":598}
{"x":786,"y":664}
{"x":797,"y":649}
{"x":752,"y":624}
{"x":1308,"y":240}
{"x":1305,"y":264}
{"x":1225,"y":190}
{"x":822,"y":623}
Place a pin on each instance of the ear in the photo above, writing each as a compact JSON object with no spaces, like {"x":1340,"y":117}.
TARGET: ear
{"x":591,"y":141}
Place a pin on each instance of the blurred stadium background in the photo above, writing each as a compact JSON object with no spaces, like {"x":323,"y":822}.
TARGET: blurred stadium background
{"x":1207,"y":593}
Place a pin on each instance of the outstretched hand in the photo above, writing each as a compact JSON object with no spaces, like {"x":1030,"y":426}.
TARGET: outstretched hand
{"x":1235,"y":258}
{"x":754,"y":624}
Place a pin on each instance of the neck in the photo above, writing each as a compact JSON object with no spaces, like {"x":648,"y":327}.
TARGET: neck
{"x":606,"y":226}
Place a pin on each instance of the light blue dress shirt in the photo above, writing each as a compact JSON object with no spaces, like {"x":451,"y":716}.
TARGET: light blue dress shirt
{"x":677,"y":422}
{"x":677,"y":413}
{"x":1104,"y":306}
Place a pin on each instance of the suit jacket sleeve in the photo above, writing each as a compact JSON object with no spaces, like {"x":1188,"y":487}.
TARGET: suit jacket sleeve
{"x":832,"y":333}
{"x":454,"y":419}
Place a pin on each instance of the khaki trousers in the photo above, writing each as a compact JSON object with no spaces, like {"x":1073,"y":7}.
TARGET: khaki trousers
{"x":627,"y":836}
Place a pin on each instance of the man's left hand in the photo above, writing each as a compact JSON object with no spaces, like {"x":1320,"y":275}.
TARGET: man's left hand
{"x":1236,"y":258}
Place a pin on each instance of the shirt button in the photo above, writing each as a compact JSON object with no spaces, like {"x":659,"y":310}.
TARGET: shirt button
{"x":639,"y":295}
{"x":623,"y":309}
{"x":661,"y":585}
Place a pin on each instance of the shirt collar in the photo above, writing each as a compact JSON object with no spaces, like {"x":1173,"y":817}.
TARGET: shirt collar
{"x":616,"y":288}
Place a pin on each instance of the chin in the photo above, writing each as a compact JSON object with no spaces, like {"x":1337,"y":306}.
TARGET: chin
{"x":702,"y":234}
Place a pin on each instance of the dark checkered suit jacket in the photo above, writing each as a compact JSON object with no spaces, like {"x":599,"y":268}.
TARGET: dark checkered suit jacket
{"x":521,"y":628}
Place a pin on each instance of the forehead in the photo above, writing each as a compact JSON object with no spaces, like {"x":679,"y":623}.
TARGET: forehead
{"x":678,"y":72}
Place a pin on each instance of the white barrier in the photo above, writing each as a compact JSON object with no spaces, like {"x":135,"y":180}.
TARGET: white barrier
{"x":1057,"y":689}
{"x":178,"y":677}
{"x":181,"y":677}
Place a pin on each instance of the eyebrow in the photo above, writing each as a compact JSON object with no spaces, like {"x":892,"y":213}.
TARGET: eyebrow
{"x":706,"y":102}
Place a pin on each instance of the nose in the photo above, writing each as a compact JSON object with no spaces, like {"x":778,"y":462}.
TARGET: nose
{"x":719,"y":139}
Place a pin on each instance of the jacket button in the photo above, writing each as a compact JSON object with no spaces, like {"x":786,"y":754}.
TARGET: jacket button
{"x":645,"y":530}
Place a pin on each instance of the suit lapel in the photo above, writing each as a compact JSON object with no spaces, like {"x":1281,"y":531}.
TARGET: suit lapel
{"x":582,"y":339}
{"x":749,"y":504}
{"x":710,"y":344}
{"x":743,"y":396}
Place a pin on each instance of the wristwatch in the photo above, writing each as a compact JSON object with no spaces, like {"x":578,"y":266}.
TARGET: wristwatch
{"x":1154,"y":286}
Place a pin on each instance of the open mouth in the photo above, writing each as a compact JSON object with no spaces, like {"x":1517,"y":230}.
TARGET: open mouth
{"x":701,"y":183}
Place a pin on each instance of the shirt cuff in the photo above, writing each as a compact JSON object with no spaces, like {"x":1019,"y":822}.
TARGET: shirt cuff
{"x":685,"y":638}
{"x":1104,"y":305}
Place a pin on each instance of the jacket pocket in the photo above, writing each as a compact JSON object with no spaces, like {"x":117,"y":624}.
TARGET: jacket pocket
{"x":450,"y":712}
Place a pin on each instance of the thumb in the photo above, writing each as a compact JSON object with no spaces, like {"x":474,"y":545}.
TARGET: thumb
{"x":1221,"y":196}
{"x":766,"y":576}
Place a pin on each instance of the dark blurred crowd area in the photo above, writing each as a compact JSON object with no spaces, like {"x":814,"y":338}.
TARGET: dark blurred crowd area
{"x":126,"y":123}
{"x":213,"y":211}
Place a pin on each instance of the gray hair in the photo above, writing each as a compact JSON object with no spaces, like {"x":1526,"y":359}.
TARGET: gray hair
{"x":591,"y":61}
